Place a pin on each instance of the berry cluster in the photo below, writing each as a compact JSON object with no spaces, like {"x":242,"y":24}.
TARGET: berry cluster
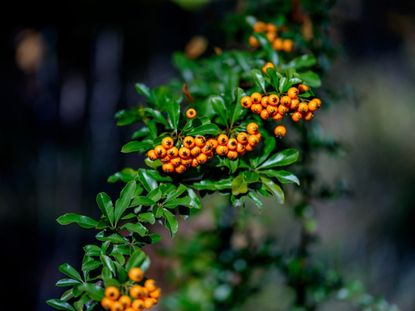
{"x":140,"y":296}
{"x":194,"y":151}
{"x":277,"y":106}
{"x":271,"y":32}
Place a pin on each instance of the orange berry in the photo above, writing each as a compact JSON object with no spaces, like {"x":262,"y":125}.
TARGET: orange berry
{"x":253,"y":140}
{"x":292,"y":92}
{"x":223,"y":139}
{"x":259,"y":136}
{"x":112,"y":292}
{"x":176,"y":161}
{"x":221,"y":150}
{"x":209,"y":154}
{"x":189,"y":142}
{"x":160,"y":151}
{"x":195,"y":151}
{"x":294,"y":104}
{"x":200,"y":140}
{"x":271,"y":36}
{"x":184,"y":152}
{"x":264,"y":114}
{"x":232,"y":155}
{"x":296,"y":116}
{"x":317,"y":101}
{"x":312,"y":106}
{"x":282,"y":110}
{"x":253,"y":42}
{"x":246,"y":102}
{"x":166,"y":159}
{"x":249,"y":147}
{"x":195,"y":162}
{"x":285,"y":100}
{"x":180,"y":169}
{"x":191,"y":113}
{"x":152,"y":155}
{"x":212,"y":142}
{"x":201,"y":158}
{"x":106,"y":303}
{"x":271,"y":28}
{"x":242,"y":138}
{"x":252,"y":128}
{"x":207,"y":149}
{"x":280,"y":131}
{"x":256,"y":108}
{"x":173,"y":152}
{"x":125,"y":301}
{"x":264,"y":101}
{"x":117,"y":306}
{"x":303,"y":107}
{"x":186,"y":162}
{"x":303,"y":88}
{"x":135,"y":274}
{"x":137,"y":291}
{"x":240,"y":148}
{"x":272,"y":110}
{"x":266,"y":66}
{"x":273,"y":100}
{"x":308,"y":116}
{"x":277,"y":117}
{"x":167,"y":168}
{"x":150,"y":285}
{"x":156,"y":293}
{"x":260,"y":26}
{"x":232,"y":143}
{"x":138,"y":305}
{"x":288,"y":45}
{"x":256,"y":98}
{"x":130,"y":309}
{"x":277,"y":44}
{"x":167,"y":142}
{"x":149,"y":302}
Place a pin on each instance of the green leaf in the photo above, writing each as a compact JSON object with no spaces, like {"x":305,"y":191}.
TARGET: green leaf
{"x":283,"y":176}
{"x":303,"y":61}
{"x":310,"y":78}
{"x":239,"y":185}
{"x":282,"y":158}
{"x":258,"y":79}
{"x":213,"y":185}
{"x":136,"y":260}
{"x":136,"y":146}
{"x":105,"y":205}
{"x":274,"y":189}
{"x":205,"y":129}
{"x":186,"y":201}
{"x":124,"y":200}
{"x":141,"y":200}
{"x":238,"y":110}
{"x":171,"y":222}
{"x":136,"y":227}
{"x":195,"y":201}
{"x":113,"y":238}
{"x":218,"y":105}
{"x":255,"y":198}
{"x":92,"y":250}
{"x":83,"y":221}
{"x":147,"y":217}
{"x":274,"y":78}
{"x":107,"y":262}
{"x":91,"y":265}
{"x":143,"y":90}
{"x":173,"y":112}
{"x":70,"y":271}
{"x":269,"y":146}
{"x":60,"y":305}
{"x":148,"y":182}
{"x":283,"y":86}
{"x":125,"y":175}
{"x":94,"y":291}
{"x":156,"y":115}
{"x":67,"y":282}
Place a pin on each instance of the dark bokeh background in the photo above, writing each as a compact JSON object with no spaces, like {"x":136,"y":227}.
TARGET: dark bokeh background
{"x":65,"y":69}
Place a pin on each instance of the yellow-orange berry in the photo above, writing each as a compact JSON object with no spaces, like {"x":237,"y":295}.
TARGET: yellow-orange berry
{"x":152,"y":155}
{"x":186,"y":162}
{"x":303,"y":88}
{"x":271,"y":36}
{"x":149,"y":302}
{"x":292,"y":92}
{"x":207,"y":149}
{"x":156,"y":293}
{"x":273,"y":100}
{"x":167,"y":142}
{"x":138,"y":305}
{"x":173,"y":152}
{"x":256,"y":108}
{"x":288,"y":45}
{"x":303,"y":107}
{"x":271,"y":28}
{"x":240,"y":148}
{"x":137,"y":291}
{"x":195,"y":151}
{"x":195,"y":162}
{"x":201,"y":158}
{"x":264,"y":101}
{"x":253,"y":42}
{"x":223,"y":139}
{"x":242,"y":138}
{"x":296,"y":116}
{"x":212,"y":142}
{"x":272,"y":110}
{"x":221,"y":150}
{"x":191,"y":113}
{"x":266,"y":66}
{"x":253,"y":140}
{"x":176,"y":161}
{"x":285,"y":100}
{"x":264,"y":114}
{"x":150,"y":285}
{"x":112,"y":292}
{"x":130,"y":309}
{"x":117,"y":306}
{"x":308,"y":116}
{"x":312,"y":106}
{"x":165,"y":159}
{"x":249,"y":147}
{"x":252,"y":128}
{"x":180,"y":169}
{"x":282,"y":109}
{"x":167,"y":168}
{"x":200,"y":140}
{"x":135,"y":274}
{"x":277,"y":44}
{"x":280,"y":131}
{"x":232,"y":143}
{"x":256,"y":98}
{"x":189,"y":142}
{"x":160,"y":151}
{"x":184,"y":152}
{"x":260,"y":26}
{"x":246,"y":102}
{"x":294,"y":104}
{"x":232,"y":155}
{"x":106,"y":303}
{"x":317,"y":101}
{"x":277,"y":117}
{"x":125,"y":301}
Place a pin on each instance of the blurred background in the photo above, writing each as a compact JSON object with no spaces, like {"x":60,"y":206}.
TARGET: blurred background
{"x":65,"y":69}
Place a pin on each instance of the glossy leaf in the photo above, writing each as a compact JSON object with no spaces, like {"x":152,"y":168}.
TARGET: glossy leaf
{"x":136,"y":146}
{"x":136,"y":260}
{"x":70,"y":271}
{"x":142,"y":89}
{"x":105,"y":205}
{"x":83,"y":221}
{"x":282,"y":158}
{"x":60,"y":304}
{"x":274,"y":189}
{"x":171,"y":222}
{"x":124,"y":200}
{"x":283,"y":176}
